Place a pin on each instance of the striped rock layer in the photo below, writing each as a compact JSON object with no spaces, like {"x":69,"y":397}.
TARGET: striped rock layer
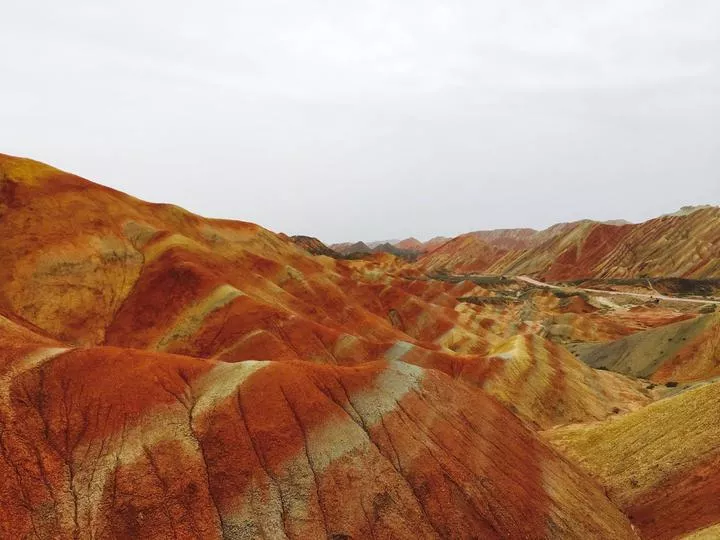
{"x":659,"y":463}
{"x":682,"y":245}
{"x":168,"y":375}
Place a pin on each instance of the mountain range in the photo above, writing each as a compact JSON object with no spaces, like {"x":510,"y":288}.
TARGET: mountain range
{"x":166,"y":375}
{"x":582,"y":249}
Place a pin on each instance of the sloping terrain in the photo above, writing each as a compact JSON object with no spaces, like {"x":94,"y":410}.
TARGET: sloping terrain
{"x":348,"y":248}
{"x":508,"y":239}
{"x":314,"y":246}
{"x":119,"y":443}
{"x":435,"y":242}
{"x":410,"y":244}
{"x":658,"y":463}
{"x":544,"y":384}
{"x":682,"y":245}
{"x":463,"y":254}
{"x":166,"y":375}
{"x":684,"y":351}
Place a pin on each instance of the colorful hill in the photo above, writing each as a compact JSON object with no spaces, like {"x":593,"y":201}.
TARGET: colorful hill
{"x":124,"y":443}
{"x":410,"y":244}
{"x":544,"y":384}
{"x":314,"y":246}
{"x":463,"y":254}
{"x":683,"y":245}
{"x":435,"y":242}
{"x":659,"y":463}
{"x":682,"y":352}
{"x":349,"y":248}
{"x":168,"y":375}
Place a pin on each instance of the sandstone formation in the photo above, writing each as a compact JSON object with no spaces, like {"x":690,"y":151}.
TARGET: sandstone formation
{"x":683,"y":351}
{"x":314,"y":246}
{"x":165,"y":375}
{"x":659,"y":464}
{"x":682,"y":245}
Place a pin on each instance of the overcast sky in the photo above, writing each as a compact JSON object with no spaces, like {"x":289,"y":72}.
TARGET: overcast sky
{"x":354,"y":120}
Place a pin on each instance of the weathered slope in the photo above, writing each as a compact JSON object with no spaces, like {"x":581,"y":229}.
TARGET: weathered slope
{"x":556,"y":251}
{"x":708,"y":533}
{"x":658,"y":463}
{"x":464,"y":254}
{"x":683,"y":245}
{"x":508,"y":239}
{"x":410,"y":244}
{"x":683,"y":351}
{"x":678,"y":245}
{"x":129,"y":273}
{"x":73,"y":250}
{"x":348,"y":248}
{"x":314,"y":246}
{"x":119,"y":443}
{"x":544,"y":384}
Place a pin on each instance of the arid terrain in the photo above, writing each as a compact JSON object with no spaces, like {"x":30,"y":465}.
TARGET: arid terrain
{"x":165,"y":375}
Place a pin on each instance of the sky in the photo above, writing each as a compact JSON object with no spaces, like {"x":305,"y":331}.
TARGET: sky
{"x":352,"y":120}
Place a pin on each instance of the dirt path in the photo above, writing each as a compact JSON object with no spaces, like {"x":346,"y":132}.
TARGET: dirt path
{"x":537,"y":283}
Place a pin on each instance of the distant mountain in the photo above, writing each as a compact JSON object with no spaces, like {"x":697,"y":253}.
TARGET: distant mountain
{"x":616,"y":222}
{"x":435,"y":242}
{"x":356,"y":249}
{"x":314,"y":246}
{"x":410,"y":244}
{"x":684,"y":244}
{"x":407,"y":254}
{"x":507,"y":238}
{"x":376,"y":243}
{"x":466,"y":253}
{"x":350,"y":248}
